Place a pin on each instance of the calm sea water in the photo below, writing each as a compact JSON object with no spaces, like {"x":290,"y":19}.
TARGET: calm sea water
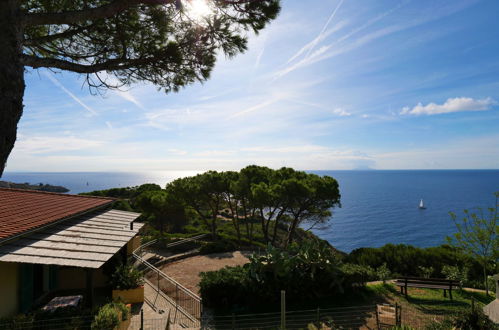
{"x":378,"y":207}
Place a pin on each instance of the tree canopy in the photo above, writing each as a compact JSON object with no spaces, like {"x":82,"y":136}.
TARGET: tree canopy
{"x":115,"y":43}
{"x":478,"y":235}
{"x":258,"y":195}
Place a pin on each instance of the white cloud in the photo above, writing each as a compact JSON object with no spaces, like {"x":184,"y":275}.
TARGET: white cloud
{"x":177,"y":152}
{"x":65,"y":90}
{"x":109,"y":125}
{"x":341,"y":112}
{"x":33,"y":145}
{"x":127,"y":95}
{"x":344,"y":45}
{"x":457,"y":104}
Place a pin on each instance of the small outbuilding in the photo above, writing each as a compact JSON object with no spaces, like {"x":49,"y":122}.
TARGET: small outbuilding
{"x":52,"y":242}
{"x":492,"y":309}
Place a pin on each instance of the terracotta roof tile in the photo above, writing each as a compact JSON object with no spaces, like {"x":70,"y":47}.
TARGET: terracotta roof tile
{"x":24,"y":210}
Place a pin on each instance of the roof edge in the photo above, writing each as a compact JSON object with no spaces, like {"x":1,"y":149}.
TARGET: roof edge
{"x":57,"y":194}
{"x":55,"y":222}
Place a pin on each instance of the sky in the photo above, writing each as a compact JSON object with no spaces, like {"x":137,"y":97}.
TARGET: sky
{"x":330,"y":84}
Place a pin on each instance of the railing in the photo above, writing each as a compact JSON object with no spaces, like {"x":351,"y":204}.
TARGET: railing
{"x":187,"y":305}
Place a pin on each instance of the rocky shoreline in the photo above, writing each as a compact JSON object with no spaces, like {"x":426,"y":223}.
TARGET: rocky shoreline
{"x":39,"y":186}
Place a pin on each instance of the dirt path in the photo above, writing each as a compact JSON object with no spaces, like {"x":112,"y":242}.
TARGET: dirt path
{"x":186,"y":271}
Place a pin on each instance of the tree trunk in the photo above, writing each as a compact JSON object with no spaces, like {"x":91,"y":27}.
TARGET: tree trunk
{"x":485,"y":279}
{"x":264,"y":226}
{"x":213,"y":227}
{"x":291,"y":232}
{"x":235,"y":220}
{"x":11,"y":77}
{"x":276,"y":225}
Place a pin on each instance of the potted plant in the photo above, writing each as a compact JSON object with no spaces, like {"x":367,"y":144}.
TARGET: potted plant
{"x":114,"y":315}
{"x":127,"y":283}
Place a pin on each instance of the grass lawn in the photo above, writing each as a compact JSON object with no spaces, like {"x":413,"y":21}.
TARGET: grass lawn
{"x":431,"y":299}
{"x":422,"y":306}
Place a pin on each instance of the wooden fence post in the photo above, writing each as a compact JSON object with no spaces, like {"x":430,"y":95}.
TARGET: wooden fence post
{"x":398,"y":315}
{"x":283,"y":310}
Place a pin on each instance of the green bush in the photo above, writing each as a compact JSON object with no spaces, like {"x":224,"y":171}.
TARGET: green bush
{"x":383,"y":273}
{"x":405,"y":260}
{"x":227,"y":287}
{"x":473,"y":319}
{"x":126,"y":277}
{"x":108,"y":316}
{"x":426,"y":272}
{"x":355,"y":275}
{"x":457,"y":274}
{"x":218,"y":247}
{"x":305,"y":272}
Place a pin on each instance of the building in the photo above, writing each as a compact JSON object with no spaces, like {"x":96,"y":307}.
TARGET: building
{"x":492,"y":309}
{"x":57,"y":243}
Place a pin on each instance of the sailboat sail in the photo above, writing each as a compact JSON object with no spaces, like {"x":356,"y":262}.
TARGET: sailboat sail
{"x":421,"y":205}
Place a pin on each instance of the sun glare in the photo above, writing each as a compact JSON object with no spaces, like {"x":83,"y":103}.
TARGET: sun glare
{"x":198,"y":9}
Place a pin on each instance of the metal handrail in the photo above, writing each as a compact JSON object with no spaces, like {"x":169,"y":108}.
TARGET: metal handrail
{"x":137,"y":254}
{"x":145,"y":262}
{"x":173,"y":302}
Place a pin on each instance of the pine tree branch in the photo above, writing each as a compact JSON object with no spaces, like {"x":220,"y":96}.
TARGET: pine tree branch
{"x":80,"y":16}
{"x":52,"y":37}
{"x":105,"y":11}
{"x":113,"y":64}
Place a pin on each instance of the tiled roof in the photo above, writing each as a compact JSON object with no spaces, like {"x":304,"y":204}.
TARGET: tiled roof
{"x":25,"y":210}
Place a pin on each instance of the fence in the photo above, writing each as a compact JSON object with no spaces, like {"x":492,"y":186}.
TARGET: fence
{"x":186,"y":304}
{"x":345,"y":317}
{"x":77,"y":322}
{"x":354,"y":317}
{"x":84,"y":323}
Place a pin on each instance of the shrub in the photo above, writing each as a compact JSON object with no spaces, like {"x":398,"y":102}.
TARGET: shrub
{"x":383,"y":273}
{"x":355,"y":275}
{"x":224,"y":288}
{"x":126,"y":277}
{"x":218,"y":247}
{"x":305,"y":272}
{"x":426,"y":272}
{"x":405,"y":260}
{"x":473,"y":319}
{"x":108,"y":316}
{"x":457,"y":274}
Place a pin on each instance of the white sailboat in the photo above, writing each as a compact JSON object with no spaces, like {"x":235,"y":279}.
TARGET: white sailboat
{"x":421,"y":205}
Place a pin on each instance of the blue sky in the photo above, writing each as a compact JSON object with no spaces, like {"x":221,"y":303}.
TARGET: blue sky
{"x":329,"y":85}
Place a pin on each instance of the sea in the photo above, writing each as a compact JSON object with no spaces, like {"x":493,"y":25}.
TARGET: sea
{"x":377,"y":206}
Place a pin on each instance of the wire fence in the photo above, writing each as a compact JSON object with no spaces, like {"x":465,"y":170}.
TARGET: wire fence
{"x":344,"y":317}
{"x":77,"y":322}
{"x":353,"y":317}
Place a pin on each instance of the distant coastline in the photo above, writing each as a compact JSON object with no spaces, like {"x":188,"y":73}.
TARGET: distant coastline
{"x":39,"y":186}
{"x":378,"y":206}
